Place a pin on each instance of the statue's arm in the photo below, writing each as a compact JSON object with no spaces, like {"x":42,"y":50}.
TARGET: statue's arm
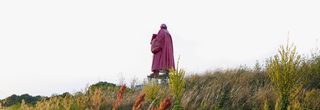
{"x":156,"y":45}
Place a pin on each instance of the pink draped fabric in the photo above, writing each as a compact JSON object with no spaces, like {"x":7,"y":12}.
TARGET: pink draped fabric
{"x":162,"y":49}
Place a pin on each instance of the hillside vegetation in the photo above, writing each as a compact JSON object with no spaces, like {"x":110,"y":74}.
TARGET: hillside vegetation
{"x":287,"y":81}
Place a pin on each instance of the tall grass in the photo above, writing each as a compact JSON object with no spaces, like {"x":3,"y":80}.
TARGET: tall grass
{"x":287,"y":82}
{"x":239,"y":88}
{"x":232,"y":89}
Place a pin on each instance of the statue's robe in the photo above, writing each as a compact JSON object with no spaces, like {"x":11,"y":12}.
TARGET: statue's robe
{"x":162,"y":49}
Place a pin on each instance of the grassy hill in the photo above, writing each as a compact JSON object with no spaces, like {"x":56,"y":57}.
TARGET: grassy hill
{"x":287,"y":81}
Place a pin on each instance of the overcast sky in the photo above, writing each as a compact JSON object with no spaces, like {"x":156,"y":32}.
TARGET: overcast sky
{"x":57,"y":46}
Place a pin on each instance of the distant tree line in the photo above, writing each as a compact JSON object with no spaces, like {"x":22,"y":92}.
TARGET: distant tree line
{"x":32,"y":100}
{"x":14,"y":99}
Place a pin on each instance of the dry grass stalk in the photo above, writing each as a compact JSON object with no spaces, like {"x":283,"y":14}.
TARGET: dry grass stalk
{"x":138,"y":103}
{"x":154,"y":108}
{"x":118,"y":101}
{"x":96,"y":99}
{"x":165,"y":104}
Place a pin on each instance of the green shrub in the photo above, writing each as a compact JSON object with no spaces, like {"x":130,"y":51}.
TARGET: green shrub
{"x":285,"y":71}
{"x":177,"y":87}
{"x":151,"y":90}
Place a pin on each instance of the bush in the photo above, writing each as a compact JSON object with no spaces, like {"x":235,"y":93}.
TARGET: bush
{"x":177,"y":87}
{"x":285,"y":71}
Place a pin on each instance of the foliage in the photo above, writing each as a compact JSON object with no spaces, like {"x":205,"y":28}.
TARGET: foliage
{"x":241,"y":88}
{"x":314,"y":73}
{"x":266,"y":105}
{"x":104,"y":86}
{"x":285,"y":71}
{"x":312,"y":100}
{"x":151,"y":90}
{"x":14,"y":99}
{"x":177,"y":86}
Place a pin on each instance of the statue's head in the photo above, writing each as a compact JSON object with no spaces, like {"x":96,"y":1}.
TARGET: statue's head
{"x":163,"y":26}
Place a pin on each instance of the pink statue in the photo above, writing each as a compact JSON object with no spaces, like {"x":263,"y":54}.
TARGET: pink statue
{"x":162,"y":49}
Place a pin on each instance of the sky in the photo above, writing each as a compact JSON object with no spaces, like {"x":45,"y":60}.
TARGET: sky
{"x":51,"y":47}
